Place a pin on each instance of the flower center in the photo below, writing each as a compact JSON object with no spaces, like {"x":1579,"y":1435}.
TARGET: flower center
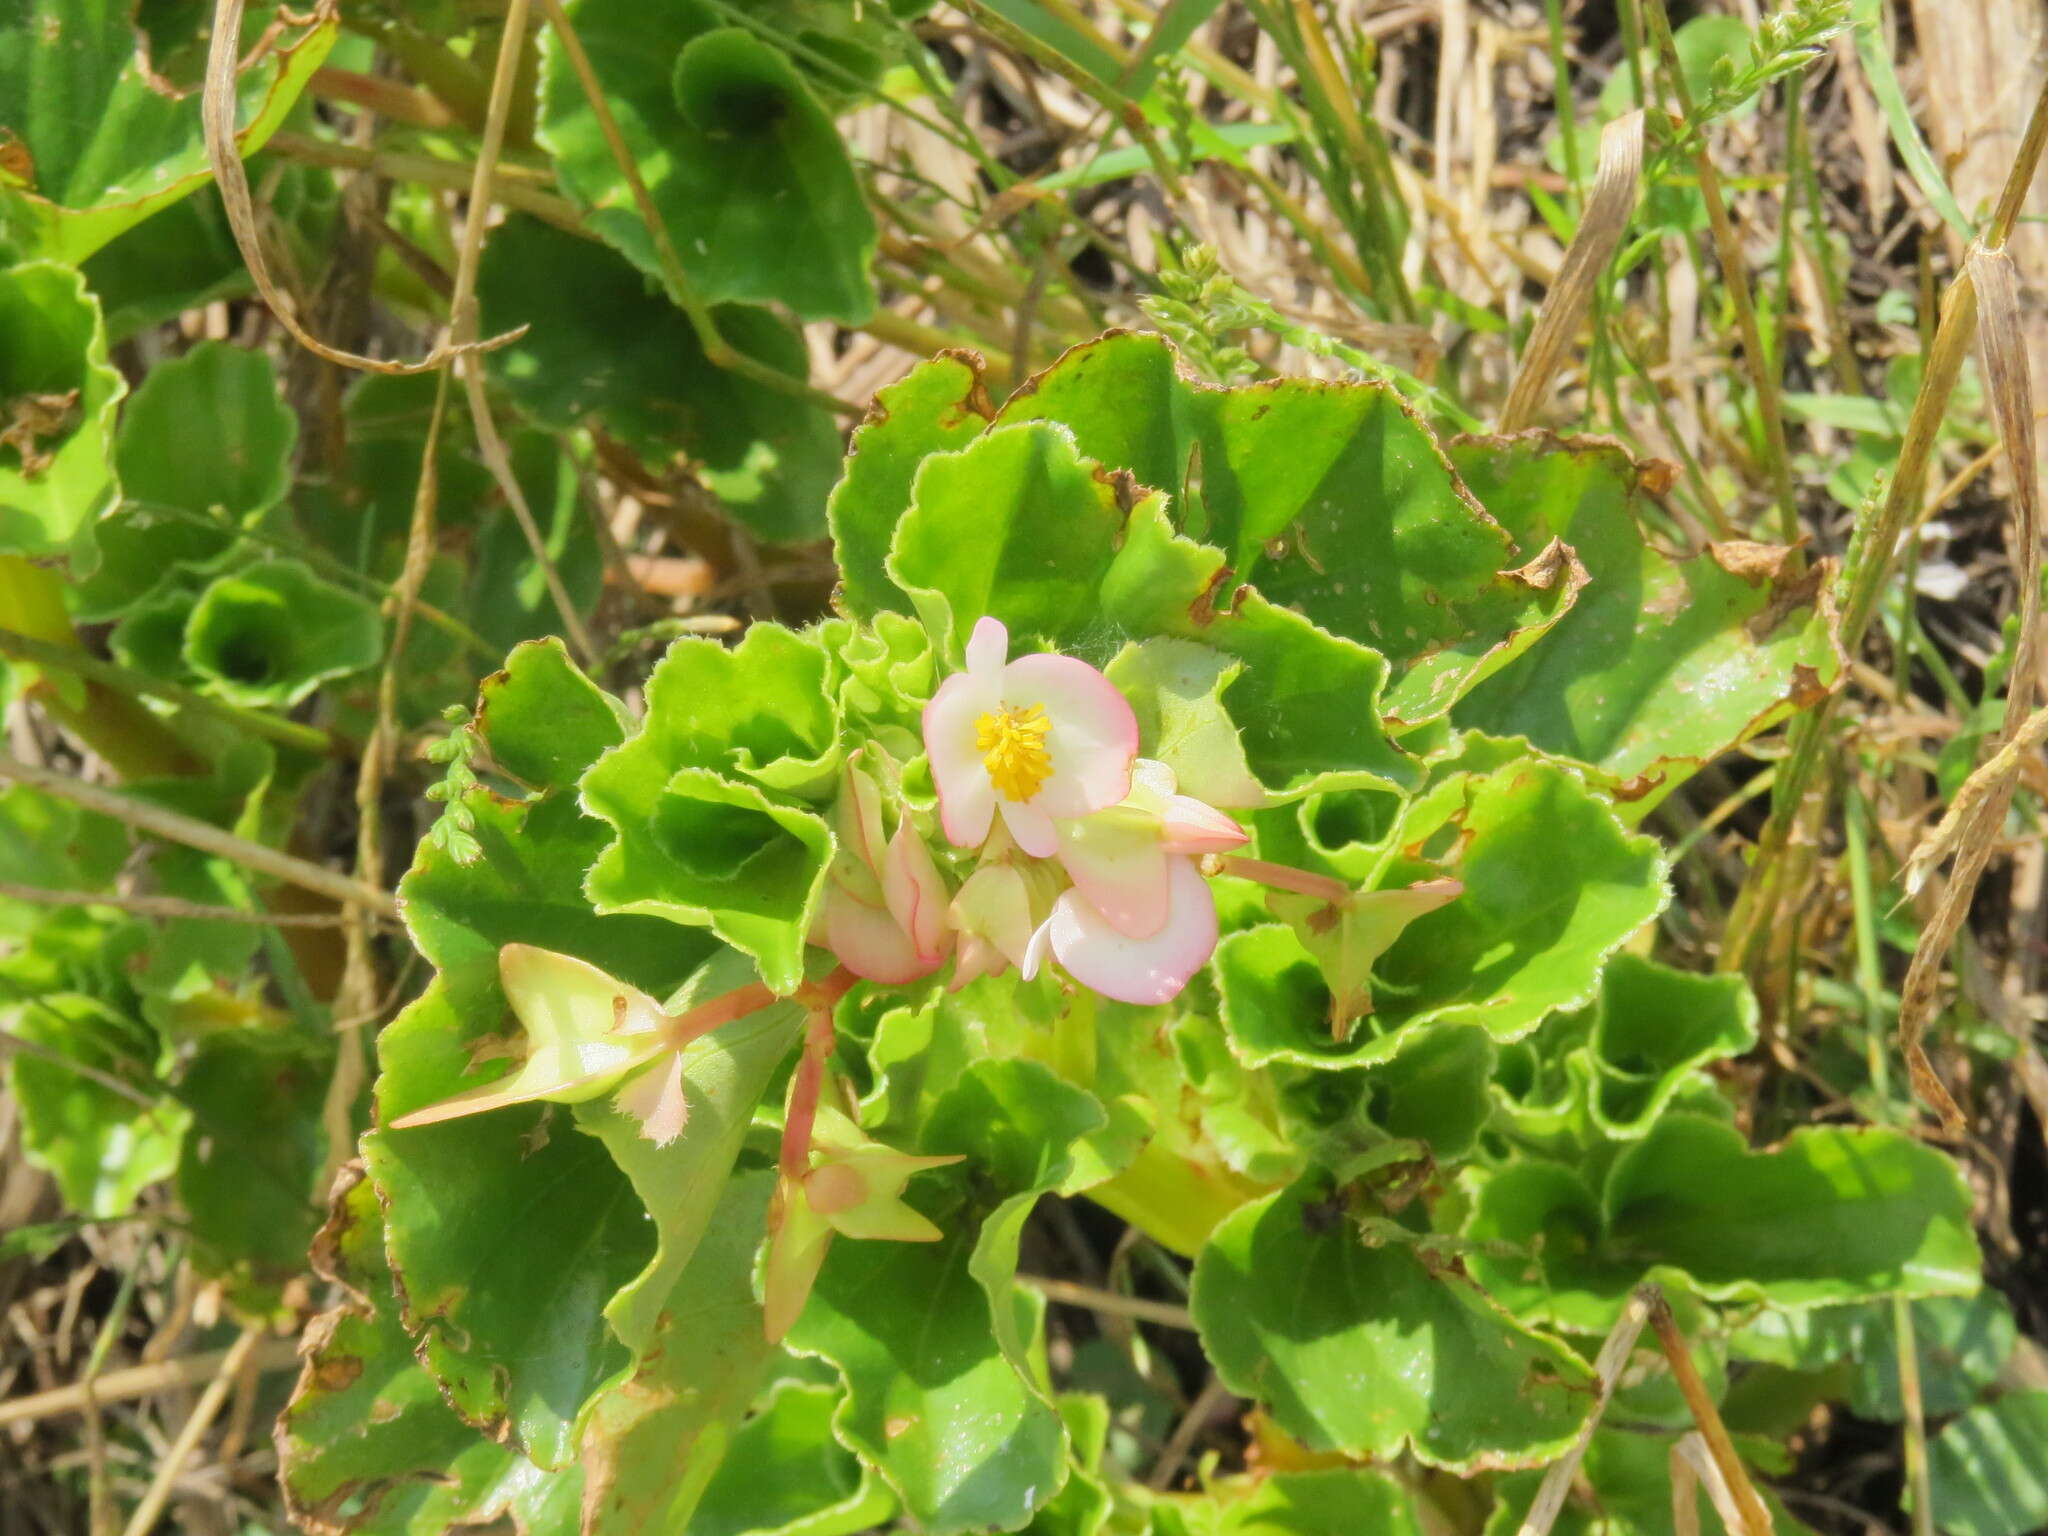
{"x":1012,"y":747}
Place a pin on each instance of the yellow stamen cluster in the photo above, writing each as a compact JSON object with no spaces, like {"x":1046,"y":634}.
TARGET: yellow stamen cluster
{"x":1012,"y":747}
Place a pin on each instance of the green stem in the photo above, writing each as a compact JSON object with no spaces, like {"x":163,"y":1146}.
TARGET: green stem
{"x":70,"y":658}
{"x":132,"y":741}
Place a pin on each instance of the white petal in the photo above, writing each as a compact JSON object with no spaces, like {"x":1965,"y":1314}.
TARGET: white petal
{"x":967,"y":800}
{"x":1118,"y":864}
{"x":1138,"y":970}
{"x":1034,"y":952}
{"x":1094,"y":735}
{"x":987,"y":649}
{"x":1030,"y":825}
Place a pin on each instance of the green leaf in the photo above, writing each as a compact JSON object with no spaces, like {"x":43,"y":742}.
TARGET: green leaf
{"x":1339,"y":1501}
{"x":546,"y":721}
{"x":102,"y":1147}
{"x":1988,"y":1470}
{"x":58,"y":393}
{"x":1653,"y":1027}
{"x":707,"y":833}
{"x":945,"y":1383}
{"x":210,"y":434}
{"x":1366,"y":1350}
{"x":461,"y":1195}
{"x":1962,"y":1342}
{"x":1552,"y":887}
{"x":366,"y":1442}
{"x":608,"y":345}
{"x":1298,"y":703}
{"x":716,"y":120}
{"x":1662,"y":664}
{"x":1831,"y":1215}
{"x":182,"y":258}
{"x":785,"y":1475}
{"x":939,"y":406}
{"x":269,"y":634}
{"x":247,"y":1175}
{"x":1334,"y":500}
{"x":1046,"y":523}
{"x":654,"y":1438}
{"x":94,"y":144}
{"x":1176,"y":690}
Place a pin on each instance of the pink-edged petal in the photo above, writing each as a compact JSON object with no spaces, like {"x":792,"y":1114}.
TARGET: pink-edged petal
{"x":1118,"y":864}
{"x":915,"y":892}
{"x":858,"y":819}
{"x":994,"y":906}
{"x":657,"y":1100}
{"x":1094,"y":735}
{"x":987,"y":649}
{"x":967,"y":800}
{"x":1138,"y":970}
{"x":1188,"y":825}
{"x":869,"y":942}
{"x":1030,"y":826}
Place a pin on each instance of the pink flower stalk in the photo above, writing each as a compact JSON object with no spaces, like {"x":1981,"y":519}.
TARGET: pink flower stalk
{"x":1040,"y":738}
{"x":884,"y":913}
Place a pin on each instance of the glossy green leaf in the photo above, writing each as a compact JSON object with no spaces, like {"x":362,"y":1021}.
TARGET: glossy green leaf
{"x":547,"y":722}
{"x":716,"y":119}
{"x":605,"y":343}
{"x":1367,"y":1350}
{"x":208,"y":434}
{"x":1662,"y":664}
{"x":102,"y":1147}
{"x":1830,"y":1215}
{"x":1988,"y":1470}
{"x":58,"y":394}
{"x":1176,"y":690}
{"x":270,"y":634}
{"x":939,"y":406}
{"x":366,"y":1443}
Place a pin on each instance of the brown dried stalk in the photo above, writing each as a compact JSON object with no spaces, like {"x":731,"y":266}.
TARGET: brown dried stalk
{"x":1605,"y":221}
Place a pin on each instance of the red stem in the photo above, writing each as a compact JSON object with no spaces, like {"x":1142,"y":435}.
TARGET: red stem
{"x":1283,"y":877}
{"x":804,"y":1089}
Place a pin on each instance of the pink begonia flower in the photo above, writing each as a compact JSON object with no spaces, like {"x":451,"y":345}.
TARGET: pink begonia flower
{"x":884,"y":913}
{"x":853,"y":1187}
{"x":1119,"y":858}
{"x":1148,"y":970}
{"x":1038,"y":738}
